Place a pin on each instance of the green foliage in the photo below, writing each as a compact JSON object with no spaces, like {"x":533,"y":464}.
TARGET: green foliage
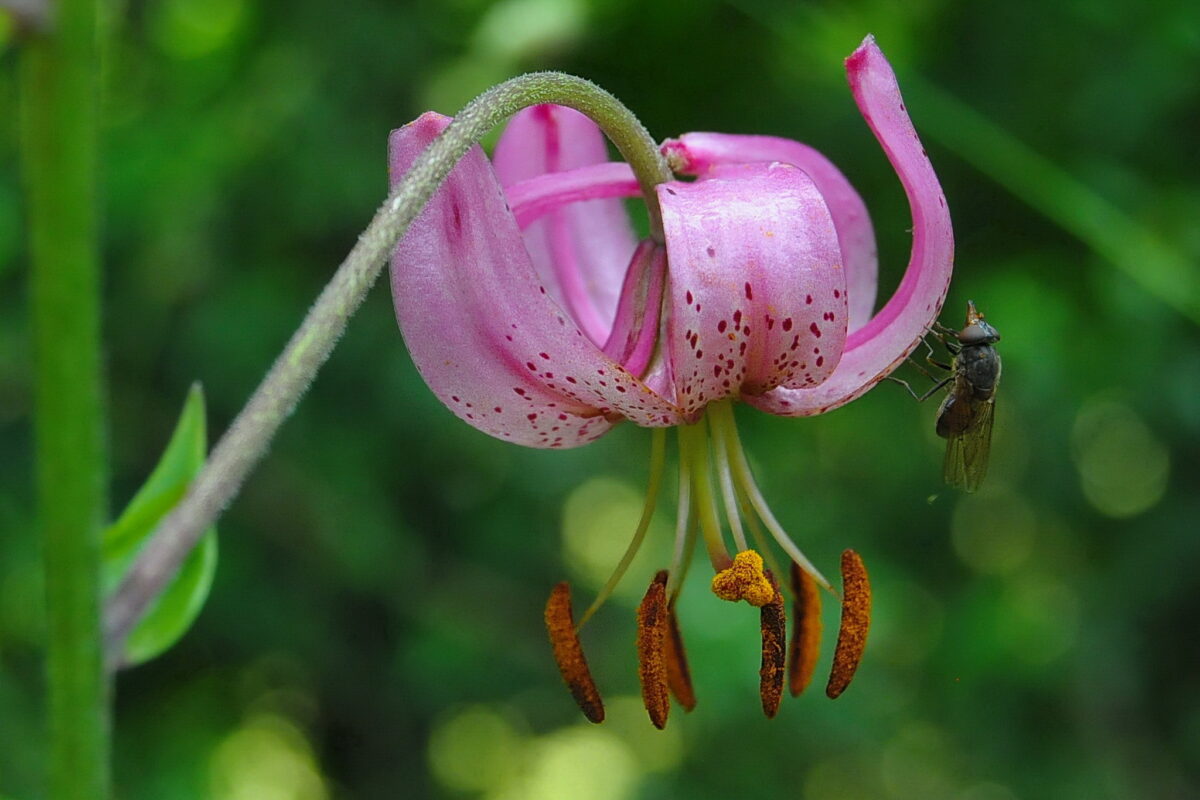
{"x":176,"y":608}
{"x":377,"y":617}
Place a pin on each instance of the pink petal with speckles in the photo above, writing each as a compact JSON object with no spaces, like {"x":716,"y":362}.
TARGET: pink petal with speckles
{"x":489,"y":341}
{"x":757,"y":291}
{"x":882,"y":344}
{"x":695,"y":153}
{"x":581,"y":251}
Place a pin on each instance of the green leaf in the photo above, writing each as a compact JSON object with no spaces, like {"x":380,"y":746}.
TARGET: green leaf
{"x":172,"y":613}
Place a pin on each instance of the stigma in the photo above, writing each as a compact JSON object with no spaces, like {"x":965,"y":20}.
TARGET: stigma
{"x":718,"y":501}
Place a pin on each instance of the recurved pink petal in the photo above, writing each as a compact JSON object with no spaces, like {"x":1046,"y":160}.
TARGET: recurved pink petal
{"x":533,"y":199}
{"x":885,"y":341}
{"x":483,"y":332}
{"x":695,"y":153}
{"x":758,"y":295}
{"x":581,"y":251}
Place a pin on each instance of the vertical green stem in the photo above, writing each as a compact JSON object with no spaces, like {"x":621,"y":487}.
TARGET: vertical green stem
{"x":59,"y":150}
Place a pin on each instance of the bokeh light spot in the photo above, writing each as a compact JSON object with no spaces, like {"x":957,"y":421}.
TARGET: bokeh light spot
{"x":475,"y":749}
{"x":655,"y":750}
{"x":599,"y":518}
{"x":917,"y":762}
{"x":1123,"y":466}
{"x":994,"y":531}
{"x":188,"y":29}
{"x":577,"y":763}
{"x":1044,"y":617}
{"x":267,"y":758}
{"x":908,"y":626}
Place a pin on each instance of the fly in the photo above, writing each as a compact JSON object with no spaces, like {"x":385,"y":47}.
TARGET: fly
{"x":966,"y":415}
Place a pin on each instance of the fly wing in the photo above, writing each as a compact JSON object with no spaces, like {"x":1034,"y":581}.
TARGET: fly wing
{"x":967,"y":451}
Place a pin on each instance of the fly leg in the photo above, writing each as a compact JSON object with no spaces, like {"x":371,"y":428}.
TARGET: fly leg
{"x":921,"y":398}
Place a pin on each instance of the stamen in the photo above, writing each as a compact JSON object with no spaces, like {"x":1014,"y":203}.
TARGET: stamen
{"x":685,"y":530}
{"x":806,"y":630}
{"x":745,"y":580}
{"x":651,"y":644}
{"x":756,"y":532}
{"x":568,"y":653}
{"x":773,"y":619}
{"x":658,"y":458}
{"x":745,"y":479}
{"x":856,"y":619}
{"x":693,"y":445}
{"x":727,"y":491}
{"x":679,"y":677}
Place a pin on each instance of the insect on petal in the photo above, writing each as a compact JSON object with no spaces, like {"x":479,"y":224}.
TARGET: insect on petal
{"x":878,"y":347}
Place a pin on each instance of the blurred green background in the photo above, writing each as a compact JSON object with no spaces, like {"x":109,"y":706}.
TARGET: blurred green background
{"x":375,"y":625}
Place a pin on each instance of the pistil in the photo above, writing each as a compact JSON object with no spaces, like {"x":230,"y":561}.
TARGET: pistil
{"x":723,"y":420}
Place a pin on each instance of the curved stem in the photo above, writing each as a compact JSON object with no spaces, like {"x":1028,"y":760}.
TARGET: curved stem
{"x":248,"y":437}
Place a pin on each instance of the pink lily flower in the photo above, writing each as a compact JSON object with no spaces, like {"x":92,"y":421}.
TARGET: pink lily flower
{"x":533,"y":313}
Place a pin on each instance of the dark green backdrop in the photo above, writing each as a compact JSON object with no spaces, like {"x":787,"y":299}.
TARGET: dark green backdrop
{"x":375,"y":626}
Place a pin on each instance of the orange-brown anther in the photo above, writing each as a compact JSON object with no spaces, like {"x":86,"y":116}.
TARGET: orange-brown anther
{"x":856,"y":619}
{"x":806,"y":630}
{"x":773,"y":618}
{"x":568,"y":653}
{"x":651,"y":647}
{"x":679,"y":677}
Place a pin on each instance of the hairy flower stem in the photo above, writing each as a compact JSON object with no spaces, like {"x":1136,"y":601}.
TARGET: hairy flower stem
{"x":247,"y":439}
{"x":58,"y":147}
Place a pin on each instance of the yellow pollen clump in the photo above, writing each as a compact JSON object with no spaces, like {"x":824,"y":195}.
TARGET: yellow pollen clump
{"x":744,"y":580}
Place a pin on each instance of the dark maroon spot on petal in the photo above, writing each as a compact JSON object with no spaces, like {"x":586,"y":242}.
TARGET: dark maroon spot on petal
{"x":787,"y":324}
{"x":531,"y":365}
{"x":749,"y":292}
{"x":721,"y":326}
{"x":531,"y":417}
{"x":837,"y":292}
{"x":820,"y":360}
{"x":816,"y":331}
{"x":498,"y":410}
{"x":712,"y":252}
{"x":454,"y":397}
{"x":545,"y":356}
{"x":808,"y":299}
{"x":688,"y":297}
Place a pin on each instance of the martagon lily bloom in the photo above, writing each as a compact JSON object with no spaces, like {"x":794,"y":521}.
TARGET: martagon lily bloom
{"x":534,"y":315}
